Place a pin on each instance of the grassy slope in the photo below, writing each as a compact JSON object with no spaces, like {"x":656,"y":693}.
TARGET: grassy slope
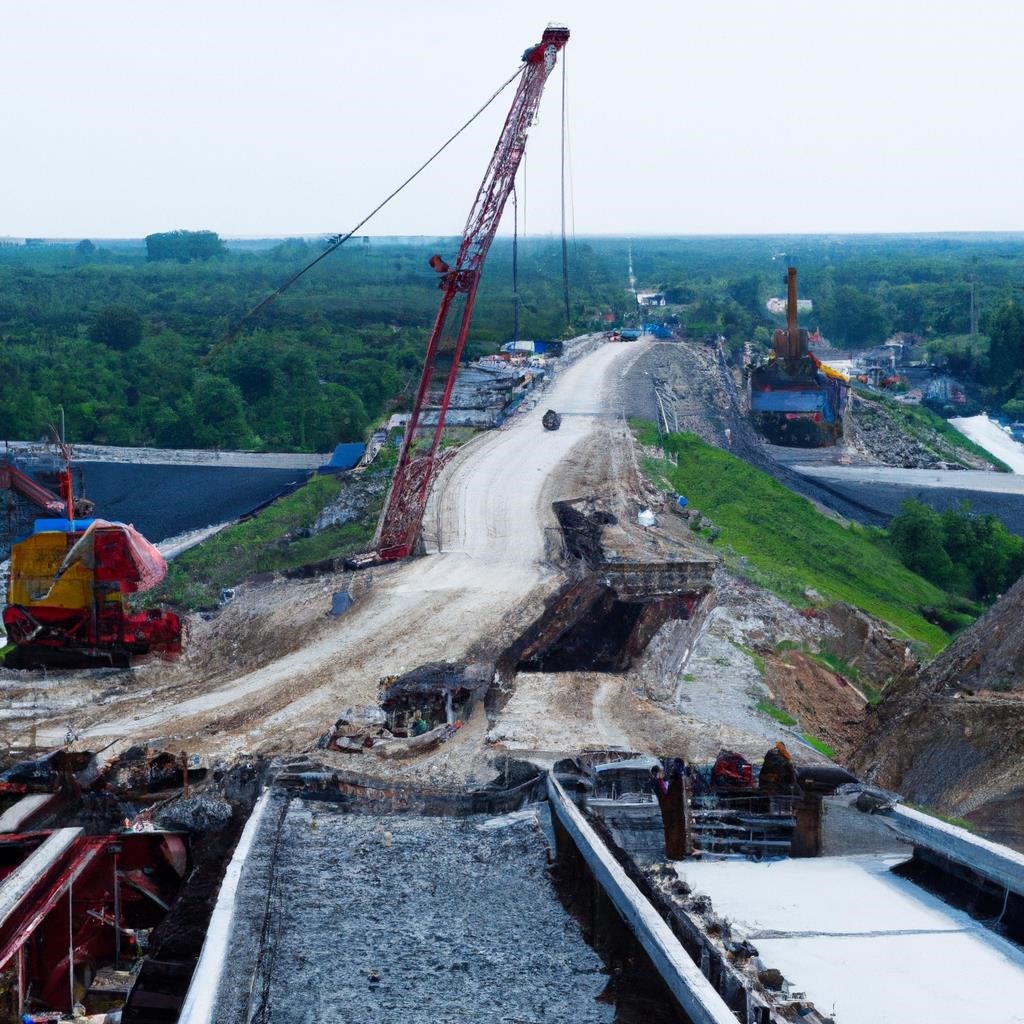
{"x":269,"y":541}
{"x":784,"y":544}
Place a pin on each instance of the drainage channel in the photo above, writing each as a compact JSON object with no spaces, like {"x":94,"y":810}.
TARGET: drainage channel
{"x":329,"y":913}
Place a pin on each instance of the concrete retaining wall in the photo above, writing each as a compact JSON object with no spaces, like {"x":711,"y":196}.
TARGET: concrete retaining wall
{"x":202,"y":993}
{"x":692,"y":990}
{"x":997,"y":863}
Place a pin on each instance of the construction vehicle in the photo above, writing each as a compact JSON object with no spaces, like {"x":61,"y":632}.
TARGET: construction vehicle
{"x":403,"y":513}
{"x":659,"y":331}
{"x":68,"y":594}
{"x":535,"y":348}
{"x":796,"y":400}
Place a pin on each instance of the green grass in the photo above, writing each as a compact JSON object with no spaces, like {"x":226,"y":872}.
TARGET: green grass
{"x":780,"y":541}
{"x":821,"y":748}
{"x":752,"y":655}
{"x":273,"y":540}
{"x":932,"y":813}
{"x":778,"y":714}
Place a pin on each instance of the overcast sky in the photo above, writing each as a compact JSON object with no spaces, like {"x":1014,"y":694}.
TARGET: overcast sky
{"x":297,"y":117}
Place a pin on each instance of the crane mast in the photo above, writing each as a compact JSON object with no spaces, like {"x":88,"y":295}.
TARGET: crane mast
{"x":403,"y":513}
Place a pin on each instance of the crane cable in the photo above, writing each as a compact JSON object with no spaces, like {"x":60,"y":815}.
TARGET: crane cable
{"x":337,"y":241}
{"x":565,"y":248}
{"x":515,"y":266}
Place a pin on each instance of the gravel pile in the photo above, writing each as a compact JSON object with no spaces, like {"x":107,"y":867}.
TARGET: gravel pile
{"x":402,"y":917}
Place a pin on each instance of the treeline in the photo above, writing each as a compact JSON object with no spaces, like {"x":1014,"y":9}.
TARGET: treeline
{"x":967,"y":554}
{"x":125,"y":337}
{"x":864,"y":288}
{"x":127,"y":340}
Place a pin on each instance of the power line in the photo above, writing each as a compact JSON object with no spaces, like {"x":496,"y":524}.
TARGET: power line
{"x":337,"y":241}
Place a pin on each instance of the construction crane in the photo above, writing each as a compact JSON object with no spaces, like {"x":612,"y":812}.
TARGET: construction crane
{"x":403,"y":513}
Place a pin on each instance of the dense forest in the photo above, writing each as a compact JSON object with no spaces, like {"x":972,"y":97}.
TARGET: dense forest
{"x":128,"y":337}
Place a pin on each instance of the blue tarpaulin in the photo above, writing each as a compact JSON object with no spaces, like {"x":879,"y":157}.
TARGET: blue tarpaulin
{"x":345,"y":457}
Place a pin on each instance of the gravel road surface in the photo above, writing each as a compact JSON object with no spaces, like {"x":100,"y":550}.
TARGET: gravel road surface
{"x":456,"y":917}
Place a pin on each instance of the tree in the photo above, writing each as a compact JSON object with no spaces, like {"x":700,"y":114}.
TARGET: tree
{"x":85,"y":249}
{"x":185,"y":246}
{"x":220,"y":414}
{"x":969,"y":554}
{"x":917,"y":534}
{"x":118,"y":327}
{"x":1006,"y":348}
{"x":854,"y":318}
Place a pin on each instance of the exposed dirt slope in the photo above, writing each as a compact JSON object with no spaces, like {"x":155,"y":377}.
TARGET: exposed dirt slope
{"x":952,"y":735}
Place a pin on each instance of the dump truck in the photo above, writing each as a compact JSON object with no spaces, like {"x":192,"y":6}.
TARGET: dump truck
{"x":537,"y":348}
{"x":796,"y":400}
{"x":659,"y":331}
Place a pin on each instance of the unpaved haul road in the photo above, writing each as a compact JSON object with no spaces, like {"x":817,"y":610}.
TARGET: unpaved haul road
{"x":485,"y":525}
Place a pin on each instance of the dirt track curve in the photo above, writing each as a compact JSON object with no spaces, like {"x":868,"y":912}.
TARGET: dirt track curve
{"x":273,"y":671}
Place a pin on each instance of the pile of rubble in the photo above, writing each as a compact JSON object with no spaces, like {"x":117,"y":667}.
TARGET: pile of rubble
{"x":874,"y":431}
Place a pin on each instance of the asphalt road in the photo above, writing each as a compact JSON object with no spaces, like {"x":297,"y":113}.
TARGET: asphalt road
{"x":879,"y":491}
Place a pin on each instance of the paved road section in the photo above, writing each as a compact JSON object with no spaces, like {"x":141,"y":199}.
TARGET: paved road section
{"x":960,"y":480}
{"x":879,"y":491}
{"x":180,"y":456}
{"x":163,"y":501}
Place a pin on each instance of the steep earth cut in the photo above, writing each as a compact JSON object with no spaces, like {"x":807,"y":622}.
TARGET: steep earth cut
{"x":951,"y":736}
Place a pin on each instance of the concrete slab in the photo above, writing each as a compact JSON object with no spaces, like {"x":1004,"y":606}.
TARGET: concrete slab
{"x":865,"y":945}
{"x":403,"y":917}
{"x":14,"y":818}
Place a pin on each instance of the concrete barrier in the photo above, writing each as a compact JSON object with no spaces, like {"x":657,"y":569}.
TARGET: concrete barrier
{"x":17,"y":817}
{"x":201,"y":998}
{"x":19,"y":882}
{"x":997,"y":863}
{"x":694,"y":993}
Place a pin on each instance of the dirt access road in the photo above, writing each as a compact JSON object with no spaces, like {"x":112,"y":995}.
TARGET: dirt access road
{"x":273,"y":671}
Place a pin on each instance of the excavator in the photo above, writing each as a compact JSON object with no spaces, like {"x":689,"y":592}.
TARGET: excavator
{"x":796,"y":400}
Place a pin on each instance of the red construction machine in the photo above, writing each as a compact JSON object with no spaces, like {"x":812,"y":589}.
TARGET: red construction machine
{"x":68,"y":595}
{"x":403,"y":515}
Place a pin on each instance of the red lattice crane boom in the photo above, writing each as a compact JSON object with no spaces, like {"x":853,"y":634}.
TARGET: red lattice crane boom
{"x":407,"y":499}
